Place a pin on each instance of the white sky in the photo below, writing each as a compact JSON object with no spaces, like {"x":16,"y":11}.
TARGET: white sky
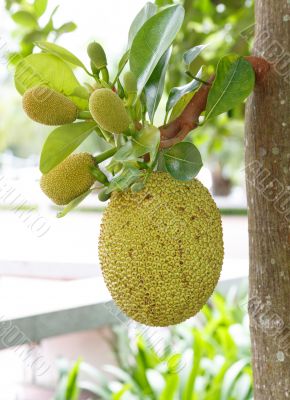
{"x":106,"y":21}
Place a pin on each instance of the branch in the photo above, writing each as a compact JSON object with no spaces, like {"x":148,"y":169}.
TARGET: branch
{"x":179,"y":128}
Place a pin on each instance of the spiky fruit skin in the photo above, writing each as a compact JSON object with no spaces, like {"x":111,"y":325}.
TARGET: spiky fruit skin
{"x":108,"y":111}
{"x":48,"y":107}
{"x":69,"y":179}
{"x":161,"y":250}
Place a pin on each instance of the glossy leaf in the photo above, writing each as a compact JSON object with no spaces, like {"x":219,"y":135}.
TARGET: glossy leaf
{"x":40,"y":7}
{"x":147,"y":12}
{"x":193,"y":53}
{"x":180,"y":105}
{"x":183,"y":161}
{"x":61,"y":52}
{"x":124,"y":180}
{"x":152,"y":41}
{"x":62,"y":142}
{"x":25,"y":18}
{"x":234,"y":82}
{"x":155,"y":85}
{"x":145,"y":141}
{"x":47,"y":70}
{"x":178,"y":92}
{"x":73,"y":204}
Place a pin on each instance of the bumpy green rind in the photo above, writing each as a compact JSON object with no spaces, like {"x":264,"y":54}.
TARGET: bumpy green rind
{"x":69,"y":179}
{"x":108,"y":111}
{"x":48,"y":107}
{"x":161,"y":250}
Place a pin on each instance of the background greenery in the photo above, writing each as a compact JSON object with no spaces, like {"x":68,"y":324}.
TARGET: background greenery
{"x":206,"y":358}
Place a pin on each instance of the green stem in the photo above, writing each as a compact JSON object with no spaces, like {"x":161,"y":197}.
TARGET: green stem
{"x":118,"y":74}
{"x":105,"y":74}
{"x":85,"y":115}
{"x":196,"y":78}
{"x":105,"y":155}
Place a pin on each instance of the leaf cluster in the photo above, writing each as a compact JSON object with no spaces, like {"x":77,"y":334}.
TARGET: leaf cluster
{"x":136,"y":152}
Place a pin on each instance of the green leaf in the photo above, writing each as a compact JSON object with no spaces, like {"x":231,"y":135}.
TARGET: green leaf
{"x":171,"y":386}
{"x":180,"y":105}
{"x":234,"y":82}
{"x":62,"y":142}
{"x":66,"y":28}
{"x":125,"y":179}
{"x":25,"y":18}
{"x":155,"y":85}
{"x":62,"y":53}
{"x":73,"y":204}
{"x":183,"y":161}
{"x":177,"y":93}
{"x":120,"y":393}
{"x":194,"y":52}
{"x":72,"y":387}
{"x":40,"y":7}
{"x":152,"y":41}
{"x":47,"y":70}
{"x":231,"y":376}
{"x":147,"y":12}
{"x":197,"y":354}
{"x":145,"y":141}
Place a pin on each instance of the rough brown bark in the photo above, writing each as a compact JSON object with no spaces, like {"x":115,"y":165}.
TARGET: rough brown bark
{"x":268,"y":190}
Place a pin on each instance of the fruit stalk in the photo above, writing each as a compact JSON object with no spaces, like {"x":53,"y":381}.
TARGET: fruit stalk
{"x":105,"y":155}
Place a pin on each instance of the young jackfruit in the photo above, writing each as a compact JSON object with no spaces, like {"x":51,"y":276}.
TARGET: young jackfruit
{"x":48,"y":107}
{"x":108,"y":111}
{"x":161,"y":250}
{"x":97,"y":55}
{"x":69,"y":179}
{"x":130,"y":82}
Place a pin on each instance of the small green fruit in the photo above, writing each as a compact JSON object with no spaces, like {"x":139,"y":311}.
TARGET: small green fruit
{"x":108,"y":111}
{"x":130,"y":82}
{"x":48,"y":107}
{"x":97,"y":55}
{"x":69,"y":179}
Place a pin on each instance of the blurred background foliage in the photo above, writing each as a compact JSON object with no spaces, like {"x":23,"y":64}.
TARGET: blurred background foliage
{"x":225,"y":27}
{"x":29,"y":26}
{"x":219,"y":24}
{"x":205,"y":358}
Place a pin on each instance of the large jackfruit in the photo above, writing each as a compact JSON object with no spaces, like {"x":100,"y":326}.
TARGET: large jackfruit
{"x":69,"y":179}
{"x":161,"y":250}
{"x":48,"y":107}
{"x":108,"y":111}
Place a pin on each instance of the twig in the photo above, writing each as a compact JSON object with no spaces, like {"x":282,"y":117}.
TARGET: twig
{"x":178,"y":129}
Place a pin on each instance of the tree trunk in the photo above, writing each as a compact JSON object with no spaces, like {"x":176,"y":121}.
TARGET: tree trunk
{"x":268,"y":191}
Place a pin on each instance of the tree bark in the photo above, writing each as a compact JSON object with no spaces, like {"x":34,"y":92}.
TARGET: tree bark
{"x":267,"y":145}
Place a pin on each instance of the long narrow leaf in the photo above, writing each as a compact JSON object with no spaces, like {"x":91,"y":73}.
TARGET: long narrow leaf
{"x":155,"y":85}
{"x":152,"y":40}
